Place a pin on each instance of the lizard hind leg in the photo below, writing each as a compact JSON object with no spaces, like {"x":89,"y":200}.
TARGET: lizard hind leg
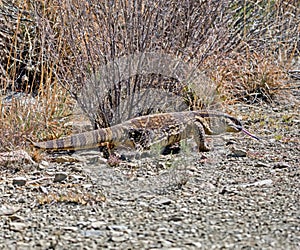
{"x":199,"y":136}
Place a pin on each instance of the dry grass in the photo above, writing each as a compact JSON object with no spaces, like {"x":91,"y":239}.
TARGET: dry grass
{"x":250,"y":79}
{"x":40,"y":103}
{"x":52,"y":50}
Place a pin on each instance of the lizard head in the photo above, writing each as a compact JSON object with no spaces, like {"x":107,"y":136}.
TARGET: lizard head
{"x":233,"y":125}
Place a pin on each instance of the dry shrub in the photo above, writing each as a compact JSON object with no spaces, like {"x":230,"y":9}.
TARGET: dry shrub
{"x":266,"y":44}
{"x":25,"y":118}
{"x":97,"y":37}
{"x":32,"y":103}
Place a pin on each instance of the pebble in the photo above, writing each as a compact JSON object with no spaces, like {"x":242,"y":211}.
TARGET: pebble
{"x":119,"y":238}
{"x":19,"y":181}
{"x":98,"y":224}
{"x":59,"y":177}
{"x":238,"y":152}
{"x":91,"y":233}
{"x":44,"y":164}
{"x":8,"y":210}
{"x":261,"y":164}
{"x":258,"y":183}
{"x":44,"y":190}
{"x":74,"y":229}
{"x":17,"y":226}
{"x":197,"y":244}
{"x":16,"y":218}
{"x":163,"y":201}
{"x":118,"y":228}
{"x":281,"y":165}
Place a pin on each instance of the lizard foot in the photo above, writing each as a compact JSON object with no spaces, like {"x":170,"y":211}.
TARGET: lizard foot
{"x":204,"y":148}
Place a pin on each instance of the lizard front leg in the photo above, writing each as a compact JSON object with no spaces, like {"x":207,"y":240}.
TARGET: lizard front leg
{"x":199,"y":136}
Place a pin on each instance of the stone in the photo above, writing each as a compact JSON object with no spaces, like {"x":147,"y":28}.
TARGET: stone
{"x":258,"y":183}
{"x":98,"y":224}
{"x":59,"y":177}
{"x":19,"y":181}
{"x":8,"y":210}
{"x":261,"y":164}
{"x":119,"y":238}
{"x":44,"y":190}
{"x":118,"y":228}
{"x":164,"y":201}
{"x":281,"y":165}
{"x":17,"y":226}
{"x":235,"y":152}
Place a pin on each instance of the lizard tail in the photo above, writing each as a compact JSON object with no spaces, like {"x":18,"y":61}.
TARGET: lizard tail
{"x":90,"y":139}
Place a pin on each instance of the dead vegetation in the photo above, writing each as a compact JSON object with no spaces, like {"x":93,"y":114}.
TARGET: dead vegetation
{"x":107,"y":55}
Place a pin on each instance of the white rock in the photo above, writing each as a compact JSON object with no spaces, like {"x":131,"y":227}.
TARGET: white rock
{"x":17,"y":226}
{"x":98,"y":224}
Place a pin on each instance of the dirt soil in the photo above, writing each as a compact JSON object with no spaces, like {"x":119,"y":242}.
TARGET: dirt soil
{"x":222,"y":199}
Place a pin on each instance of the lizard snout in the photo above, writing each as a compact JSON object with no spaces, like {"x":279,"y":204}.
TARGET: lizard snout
{"x":233,"y":128}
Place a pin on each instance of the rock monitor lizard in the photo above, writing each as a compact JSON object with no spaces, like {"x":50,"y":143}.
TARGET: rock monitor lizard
{"x":164,"y":129}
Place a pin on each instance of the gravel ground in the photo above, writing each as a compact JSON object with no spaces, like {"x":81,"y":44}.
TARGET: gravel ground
{"x":213,"y":200}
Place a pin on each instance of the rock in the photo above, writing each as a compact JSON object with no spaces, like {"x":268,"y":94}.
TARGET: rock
{"x":261,"y":164}
{"x":235,"y":152}
{"x":43,"y":165}
{"x":23,"y":246}
{"x":118,"y":228}
{"x":98,"y":224}
{"x":17,"y":226}
{"x":163,"y":201}
{"x":73,"y":229}
{"x":22,"y":200}
{"x":8,"y":210}
{"x":16,"y":218}
{"x":19,"y":181}
{"x":258,"y":183}
{"x":166,"y":243}
{"x":281,"y":165}
{"x":91,"y":233}
{"x":59,"y":177}
{"x":119,"y":238}
{"x":197,"y":244}
{"x":44,"y":190}
{"x":175,"y":218}
{"x":76,"y":168}
{"x":76,"y":178}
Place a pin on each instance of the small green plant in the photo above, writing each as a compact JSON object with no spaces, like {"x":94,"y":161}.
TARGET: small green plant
{"x":278,"y":137}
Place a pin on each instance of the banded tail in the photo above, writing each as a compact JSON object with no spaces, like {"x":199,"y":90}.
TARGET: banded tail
{"x":84,"y":140}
